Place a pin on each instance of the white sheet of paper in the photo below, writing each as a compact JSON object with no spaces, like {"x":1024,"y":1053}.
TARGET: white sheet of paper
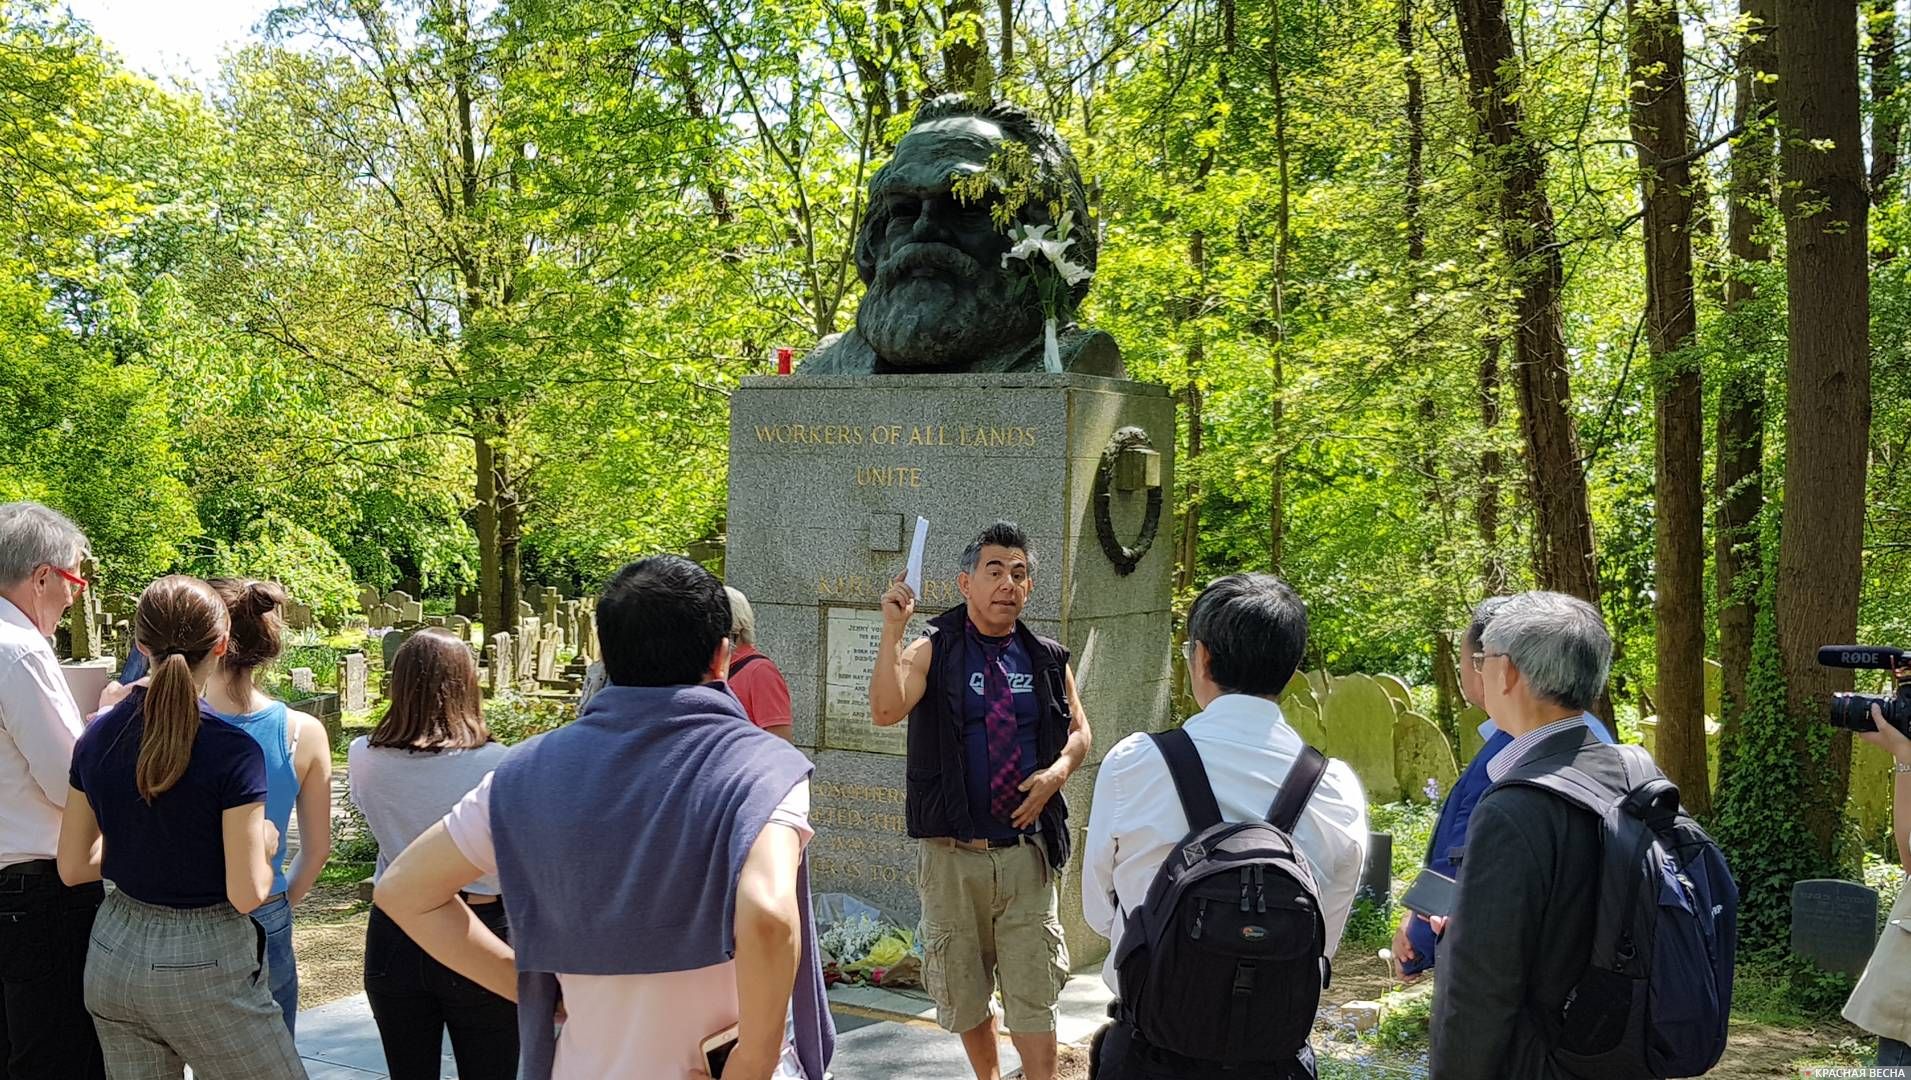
{"x":912,"y":575}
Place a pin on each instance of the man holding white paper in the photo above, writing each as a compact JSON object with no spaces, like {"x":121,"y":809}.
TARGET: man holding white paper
{"x":996,"y":728}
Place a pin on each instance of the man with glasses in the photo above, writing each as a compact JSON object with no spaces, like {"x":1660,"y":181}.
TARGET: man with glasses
{"x":1415,"y":943}
{"x":45,"y":1031}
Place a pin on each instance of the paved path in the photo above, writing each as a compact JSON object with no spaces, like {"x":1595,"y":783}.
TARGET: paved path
{"x":339,"y":1041}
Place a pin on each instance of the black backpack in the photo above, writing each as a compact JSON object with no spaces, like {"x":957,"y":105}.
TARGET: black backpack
{"x":1656,"y":995}
{"x":1224,"y":963}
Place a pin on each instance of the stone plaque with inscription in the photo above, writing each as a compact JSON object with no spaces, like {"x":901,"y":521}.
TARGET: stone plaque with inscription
{"x":1834,"y":923}
{"x":825,"y":473}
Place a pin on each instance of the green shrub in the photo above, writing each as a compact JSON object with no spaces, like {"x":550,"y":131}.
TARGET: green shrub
{"x":514,"y":717}
{"x":1411,"y":826}
{"x":352,"y":839}
{"x":1370,"y":926}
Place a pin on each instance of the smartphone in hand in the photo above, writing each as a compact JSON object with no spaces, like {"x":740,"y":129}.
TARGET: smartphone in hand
{"x":1430,"y":894}
{"x":717,"y":1049}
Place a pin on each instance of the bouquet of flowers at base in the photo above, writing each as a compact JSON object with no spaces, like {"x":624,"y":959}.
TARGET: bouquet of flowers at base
{"x":863,"y":946}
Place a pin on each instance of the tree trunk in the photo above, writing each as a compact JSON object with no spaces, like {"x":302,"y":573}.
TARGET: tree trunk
{"x":1886,"y":128}
{"x":510,"y":529}
{"x":1738,"y":485}
{"x":1005,"y":12}
{"x":1656,"y":52}
{"x":1486,"y":511}
{"x":1563,"y":534}
{"x":1827,"y":380}
{"x":489,"y":566}
{"x":1188,"y":556}
{"x":1283,"y":238}
{"x":965,"y":62}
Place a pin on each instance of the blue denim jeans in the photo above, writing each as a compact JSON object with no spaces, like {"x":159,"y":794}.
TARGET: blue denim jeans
{"x":281,"y":966}
{"x":1893,"y":1052}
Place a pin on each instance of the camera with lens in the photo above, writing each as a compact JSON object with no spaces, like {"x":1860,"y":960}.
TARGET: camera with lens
{"x":1853,"y":711}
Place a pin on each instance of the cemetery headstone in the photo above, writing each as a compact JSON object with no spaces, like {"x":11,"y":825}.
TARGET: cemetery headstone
{"x":435,"y":620}
{"x":1376,"y":875}
{"x":526,"y":638}
{"x":1396,"y":688}
{"x":504,"y":662}
{"x":1359,"y":720}
{"x":524,"y":610}
{"x":411,"y":614}
{"x":549,"y":598}
{"x":352,"y":678}
{"x":368,"y":599}
{"x":1420,"y":755}
{"x":547,"y":658}
{"x":460,"y":626}
{"x":298,"y":616}
{"x":382,"y":616}
{"x":388,"y":646}
{"x":465,"y":602}
{"x":303,"y":680}
{"x":1834,"y":924}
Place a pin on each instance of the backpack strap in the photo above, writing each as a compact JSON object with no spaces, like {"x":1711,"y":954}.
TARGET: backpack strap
{"x":1190,"y":778}
{"x":1302,"y":781}
{"x":745,"y":662}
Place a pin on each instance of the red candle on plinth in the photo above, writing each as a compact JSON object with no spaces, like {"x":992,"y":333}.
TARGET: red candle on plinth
{"x":783,"y":361}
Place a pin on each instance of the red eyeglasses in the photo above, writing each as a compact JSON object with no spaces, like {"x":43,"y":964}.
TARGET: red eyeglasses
{"x":72,"y":579}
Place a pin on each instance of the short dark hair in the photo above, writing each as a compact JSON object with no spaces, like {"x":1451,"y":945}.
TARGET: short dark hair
{"x":1482,"y":614}
{"x":659,"y":621}
{"x":1255,"y":628}
{"x":1001,"y":534}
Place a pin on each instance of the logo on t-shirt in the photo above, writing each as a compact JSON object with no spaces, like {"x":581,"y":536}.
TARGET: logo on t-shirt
{"x":1020,"y":682}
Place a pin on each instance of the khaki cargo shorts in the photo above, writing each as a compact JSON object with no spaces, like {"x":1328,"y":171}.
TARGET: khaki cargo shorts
{"x":990,"y":915}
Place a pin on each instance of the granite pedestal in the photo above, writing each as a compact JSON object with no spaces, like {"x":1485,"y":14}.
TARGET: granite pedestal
{"x":827,"y":477}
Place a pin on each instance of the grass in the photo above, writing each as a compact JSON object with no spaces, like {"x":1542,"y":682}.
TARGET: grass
{"x":345,"y":872}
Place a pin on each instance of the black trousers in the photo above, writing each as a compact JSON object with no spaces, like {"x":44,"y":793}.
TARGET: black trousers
{"x":45,"y":927}
{"x":415,"y":999}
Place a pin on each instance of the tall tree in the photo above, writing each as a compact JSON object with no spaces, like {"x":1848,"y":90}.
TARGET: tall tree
{"x":1283,"y":240}
{"x":1564,"y":536}
{"x":1738,"y":477}
{"x":1827,"y":382}
{"x":1656,"y":56}
{"x":1887,"y":123}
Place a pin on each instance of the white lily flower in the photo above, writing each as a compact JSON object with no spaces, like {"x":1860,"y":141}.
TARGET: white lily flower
{"x":1073,"y":273}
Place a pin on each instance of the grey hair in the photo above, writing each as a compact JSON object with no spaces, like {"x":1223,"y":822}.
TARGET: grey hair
{"x":32,"y":536}
{"x":742,"y":618}
{"x":1001,"y":534}
{"x":1558,"y":642}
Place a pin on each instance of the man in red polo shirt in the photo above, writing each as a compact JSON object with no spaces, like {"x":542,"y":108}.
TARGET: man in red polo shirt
{"x":754,"y":677}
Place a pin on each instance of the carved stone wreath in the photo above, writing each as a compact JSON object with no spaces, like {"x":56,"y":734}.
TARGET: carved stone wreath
{"x":1124,"y":557}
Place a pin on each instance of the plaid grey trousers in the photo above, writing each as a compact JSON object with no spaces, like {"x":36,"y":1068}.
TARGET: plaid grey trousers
{"x":170,"y":987}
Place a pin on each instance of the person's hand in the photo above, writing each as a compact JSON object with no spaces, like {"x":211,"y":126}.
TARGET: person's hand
{"x":899,"y":603}
{"x":742,"y":1066}
{"x":1439,"y":924}
{"x":1404,"y":951}
{"x":1887,"y":738}
{"x":116,"y":692}
{"x":1041,"y":787}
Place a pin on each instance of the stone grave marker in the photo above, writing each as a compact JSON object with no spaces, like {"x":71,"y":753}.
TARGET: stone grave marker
{"x":388,"y":646}
{"x":548,"y":603}
{"x":298,"y":616}
{"x":352,"y":678}
{"x":1467,"y":725}
{"x":411,"y":614}
{"x":504,"y":659}
{"x":525,"y":610}
{"x":368,"y":599}
{"x":460,"y":626}
{"x":303,"y":680}
{"x":1420,"y":753}
{"x":1359,"y":718}
{"x":382,"y":616}
{"x":1834,"y":924}
{"x":465,"y":602}
{"x":547,"y":657}
{"x":435,"y":620}
{"x":1396,"y":688}
{"x":1376,"y":874}
{"x":526,"y":641}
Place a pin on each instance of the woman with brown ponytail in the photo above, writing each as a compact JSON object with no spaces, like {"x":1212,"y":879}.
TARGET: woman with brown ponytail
{"x":168,"y":802}
{"x":298,"y":768}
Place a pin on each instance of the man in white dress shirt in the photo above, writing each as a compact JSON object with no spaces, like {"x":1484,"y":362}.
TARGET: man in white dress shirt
{"x":1246,"y":634}
{"x":45,"y":1030}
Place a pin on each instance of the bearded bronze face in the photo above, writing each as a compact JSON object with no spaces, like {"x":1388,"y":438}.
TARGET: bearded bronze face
{"x":939,"y":298}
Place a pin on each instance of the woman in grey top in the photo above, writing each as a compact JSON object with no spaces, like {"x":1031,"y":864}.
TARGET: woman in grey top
{"x":429,"y":751}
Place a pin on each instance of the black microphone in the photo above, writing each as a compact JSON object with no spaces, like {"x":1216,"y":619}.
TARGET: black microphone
{"x":1860,"y":656}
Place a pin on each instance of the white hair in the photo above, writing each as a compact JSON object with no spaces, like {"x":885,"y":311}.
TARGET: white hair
{"x":32,"y":536}
{"x":1558,"y":642}
{"x":742,"y":618}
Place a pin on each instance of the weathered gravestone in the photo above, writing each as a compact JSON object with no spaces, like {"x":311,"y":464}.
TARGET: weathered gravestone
{"x":1834,"y":924}
{"x":382,"y":616}
{"x":547,"y":658}
{"x":1423,"y":762}
{"x":1376,"y":874}
{"x":368,"y":599}
{"x":437,"y":621}
{"x":526,"y":638}
{"x":1467,"y":726}
{"x":303,"y":680}
{"x":548,"y":601}
{"x":352,"y":679}
{"x":389,"y":645}
{"x":503,"y":657}
{"x":460,"y":626}
{"x":1359,"y":720}
{"x":298,"y":616}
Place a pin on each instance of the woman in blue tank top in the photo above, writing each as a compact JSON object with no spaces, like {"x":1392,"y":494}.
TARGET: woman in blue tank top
{"x":298,"y":767}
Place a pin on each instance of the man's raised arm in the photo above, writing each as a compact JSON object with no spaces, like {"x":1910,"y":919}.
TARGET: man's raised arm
{"x":901,"y":673}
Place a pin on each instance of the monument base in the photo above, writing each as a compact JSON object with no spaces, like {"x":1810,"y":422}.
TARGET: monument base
{"x":827,"y":477}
